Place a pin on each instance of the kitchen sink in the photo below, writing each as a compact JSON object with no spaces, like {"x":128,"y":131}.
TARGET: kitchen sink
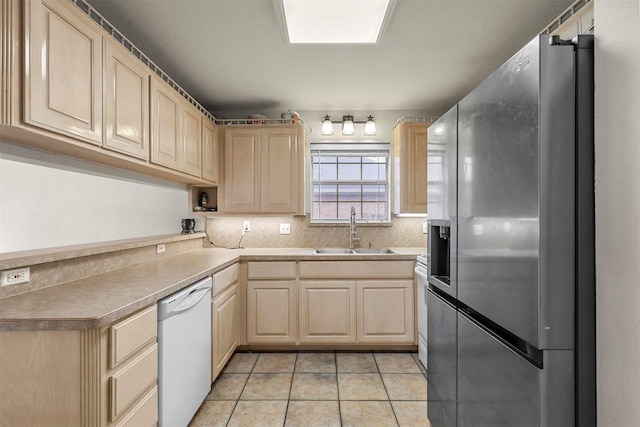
{"x":341,"y":251}
{"x":332,"y":251}
{"x":373,"y":251}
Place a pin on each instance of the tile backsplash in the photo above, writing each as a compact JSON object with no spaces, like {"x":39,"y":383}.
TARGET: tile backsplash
{"x":265,"y":233}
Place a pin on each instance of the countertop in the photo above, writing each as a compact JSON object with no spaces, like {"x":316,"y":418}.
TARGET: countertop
{"x":99,"y":300}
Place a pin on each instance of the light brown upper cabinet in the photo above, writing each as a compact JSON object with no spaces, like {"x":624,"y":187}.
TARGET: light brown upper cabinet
{"x":63,"y":82}
{"x":264,"y":169}
{"x":126,"y":102}
{"x":210,"y":150}
{"x":175,"y":130}
{"x":410,"y":168}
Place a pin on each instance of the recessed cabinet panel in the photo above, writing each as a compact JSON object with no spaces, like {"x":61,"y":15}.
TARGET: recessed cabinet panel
{"x":328,"y":311}
{"x":191,"y":141}
{"x":242,"y":170}
{"x":272,"y":311}
{"x":386,"y":311}
{"x":126,"y":102}
{"x":210,"y":151}
{"x":63,"y":90}
{"x":165,"y":130}
{"x":279,"y":171}
{"x":410,"y":168}
{"x":224,"y":326}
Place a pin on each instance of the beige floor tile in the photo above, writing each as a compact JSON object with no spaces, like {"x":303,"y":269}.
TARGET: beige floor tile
{"x":267,"y":387}
{"x":396,"y":363}
{"x":213,"y":414}
{"x":313,"y":413}
{"x":361,"y":414}
{"x":361,"y":387}
{"x":263,"y":413}
{"x":241,"y":363}
{"x":314,"y":387}
{"x":227,"y":387}
{"x":411,"y":414}
{"x":419,"y":363}
{"x":316,"y":362}
{"x":405,"y":386}
{"x":356,"y":363}
{"x":275,"y":363}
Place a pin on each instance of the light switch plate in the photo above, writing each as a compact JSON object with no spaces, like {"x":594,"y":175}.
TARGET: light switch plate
{"x":285,"y":228}
{"x":425,"y":227}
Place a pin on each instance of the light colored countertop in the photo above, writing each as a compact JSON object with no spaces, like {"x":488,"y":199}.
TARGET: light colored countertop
{"x":99,"y":300}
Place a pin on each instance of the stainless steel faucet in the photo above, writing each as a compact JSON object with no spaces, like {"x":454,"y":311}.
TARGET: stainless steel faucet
{"x":353,"y":232}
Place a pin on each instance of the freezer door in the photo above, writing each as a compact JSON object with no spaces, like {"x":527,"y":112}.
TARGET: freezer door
{"x":516,"y":208}
{"x":442,"y":357}
{"x":442,"y":148}
{"x":498,"y":387}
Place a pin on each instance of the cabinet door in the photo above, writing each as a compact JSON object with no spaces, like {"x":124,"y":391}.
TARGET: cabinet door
{"x":386,"y":311}
{"x":242,"y":170}
{"x":190,"y":144}
{"x":410,"y":153}
{"x":272,"y":311}
{"x":63,"y":65}
{"x":327,"y":311}
{"x":165,"y":125}
{"x":126,"y":102}
{"x":224,"y":321}
{"x":279,"y":170}
{"x":210,"y":150}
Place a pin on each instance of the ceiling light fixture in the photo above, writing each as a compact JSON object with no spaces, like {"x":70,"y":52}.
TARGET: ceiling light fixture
{"x":348,"y":125}
{"x":335,"y":21}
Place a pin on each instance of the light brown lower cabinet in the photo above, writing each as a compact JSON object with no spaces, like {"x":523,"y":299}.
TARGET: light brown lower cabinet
{"x":331,"y":302}
{"x":385,"y":311}
{"x":224,"y":324}
{"x":95,"y":377}
{"x":272,"y":311}
{"x":327,"y":311}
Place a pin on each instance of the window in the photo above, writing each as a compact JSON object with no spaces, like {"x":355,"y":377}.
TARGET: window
{"x":350,"y":175}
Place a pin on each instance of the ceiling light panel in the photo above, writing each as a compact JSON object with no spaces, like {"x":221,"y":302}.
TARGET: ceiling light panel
{"x":335,"y":21}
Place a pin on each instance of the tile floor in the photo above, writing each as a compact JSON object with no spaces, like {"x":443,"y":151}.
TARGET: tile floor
{"x":317,"y":389}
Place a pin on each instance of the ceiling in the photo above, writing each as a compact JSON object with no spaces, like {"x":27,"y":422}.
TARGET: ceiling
{"x":231,"y":55}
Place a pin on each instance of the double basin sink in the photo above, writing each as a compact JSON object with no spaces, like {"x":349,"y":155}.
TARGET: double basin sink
{"x":341,"y":251}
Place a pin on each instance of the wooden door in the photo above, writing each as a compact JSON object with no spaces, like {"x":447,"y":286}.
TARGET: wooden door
{"x":385,"y":311}
{"x":327,"y":311}
{"x":416,"y":163}
{"x":210,"y":150}
{"x":126,"y":102}
{"x":242,"y":170}
{"x":191,"y":140}
{"x":224,"y":321}
{"x":272,"y":311}
{"x":63,"y":84}
{"x":279,"y":170}
{"x":165,"y":125}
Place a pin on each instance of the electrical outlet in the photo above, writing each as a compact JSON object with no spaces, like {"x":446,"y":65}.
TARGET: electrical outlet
{"x":425,"y":227}
{"x":285,"y":228}
{"x":160,"y":248}
{"x":15,"y":277}
{"x":246,"y":226}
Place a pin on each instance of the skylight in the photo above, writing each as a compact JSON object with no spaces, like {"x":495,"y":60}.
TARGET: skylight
{"x":335,"y":21}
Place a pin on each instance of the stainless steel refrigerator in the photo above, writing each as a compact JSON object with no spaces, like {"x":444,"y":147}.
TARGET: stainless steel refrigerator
{"x":511,"y":250}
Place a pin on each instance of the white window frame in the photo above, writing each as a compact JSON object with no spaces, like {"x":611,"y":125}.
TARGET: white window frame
{"x":353,"y":150}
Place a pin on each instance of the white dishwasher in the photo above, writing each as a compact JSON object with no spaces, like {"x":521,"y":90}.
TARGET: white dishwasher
{"x":184,"y":353}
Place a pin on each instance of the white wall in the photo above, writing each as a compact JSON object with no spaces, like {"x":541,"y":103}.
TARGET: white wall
{"x":48,"y":200}
{"x":617,"y":139}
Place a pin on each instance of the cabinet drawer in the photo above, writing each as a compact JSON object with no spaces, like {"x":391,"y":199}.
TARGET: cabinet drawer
{"x":223,"y":278}
{"x":144,"y":414}
{"x":272,"y":270}
{"x":131,"y":381}
{"x":356,"y":269}
{"x":131,"y":334}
